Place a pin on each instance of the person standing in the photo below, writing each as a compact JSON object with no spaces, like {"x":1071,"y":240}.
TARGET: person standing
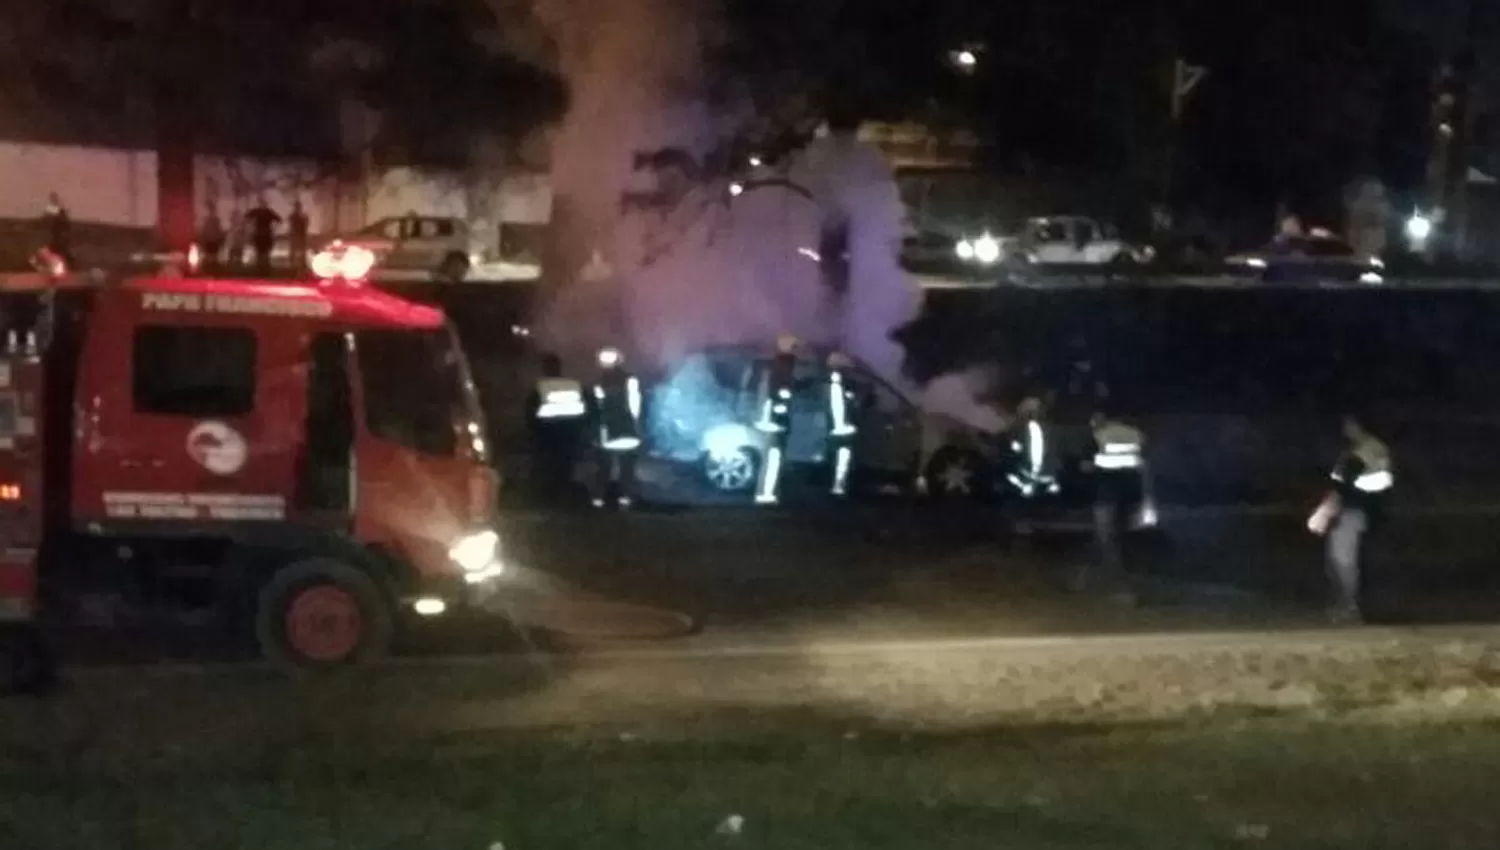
{"x":211,"y":238}
{"x":1348,"y":515}
{"x":841,"y":427}
{"x":1033,"y":472}
{"x":617,"y":415}
{"x":296,"y":233}
{"x":59,"y":227}
{"x":262,"y":221}
{"x":555,"y":409}
{"x":775,"y":421}
{"x":1118,"y":468}
{"x":234,"y":257}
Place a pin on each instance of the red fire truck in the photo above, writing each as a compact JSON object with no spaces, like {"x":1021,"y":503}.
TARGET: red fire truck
{"x":304,"y":459}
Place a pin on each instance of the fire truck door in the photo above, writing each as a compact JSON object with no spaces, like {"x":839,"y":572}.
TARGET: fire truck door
{"x":206,"y":428}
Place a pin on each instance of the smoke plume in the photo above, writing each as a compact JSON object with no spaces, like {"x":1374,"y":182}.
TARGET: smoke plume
{"x":701,"y":264}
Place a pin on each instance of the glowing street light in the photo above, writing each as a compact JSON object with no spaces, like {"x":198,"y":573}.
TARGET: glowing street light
{"x":1418,"y":230}
{"x":964,"y":59}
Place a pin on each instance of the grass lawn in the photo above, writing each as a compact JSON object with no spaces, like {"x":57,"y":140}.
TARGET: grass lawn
{"x":797,"y":780}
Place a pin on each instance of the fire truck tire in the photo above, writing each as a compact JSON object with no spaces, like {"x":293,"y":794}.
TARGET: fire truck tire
{"x":320,"y":615}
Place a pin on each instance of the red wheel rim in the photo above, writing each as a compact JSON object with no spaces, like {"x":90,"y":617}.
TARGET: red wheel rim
{"x":323,"y":623}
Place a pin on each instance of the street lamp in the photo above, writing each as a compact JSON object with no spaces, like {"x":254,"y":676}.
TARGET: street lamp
{"x":1418,"y":230}
{"x":964,"y":59}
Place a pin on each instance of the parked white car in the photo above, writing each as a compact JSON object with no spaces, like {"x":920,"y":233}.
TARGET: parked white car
{"x":1051,"y":240}
{"x":443,"y":246}
{"x":1072,"y":240}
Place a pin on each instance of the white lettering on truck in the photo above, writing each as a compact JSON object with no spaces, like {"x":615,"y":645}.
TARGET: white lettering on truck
{"x":237,"y":305}
{"x":194,"y":506}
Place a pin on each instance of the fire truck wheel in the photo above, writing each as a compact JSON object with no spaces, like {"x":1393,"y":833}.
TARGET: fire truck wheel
{"x":322,"y":614}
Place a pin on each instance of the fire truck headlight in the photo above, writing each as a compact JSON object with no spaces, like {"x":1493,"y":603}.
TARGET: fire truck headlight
{"x":1418,"y":228}
{"x":476,"y":553}
{"x":987,"y":249}
{"x":965,"y":249}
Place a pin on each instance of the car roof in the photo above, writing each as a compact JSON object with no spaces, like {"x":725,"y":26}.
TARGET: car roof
{"x":332,"y":302}
{"x":387,"y":218}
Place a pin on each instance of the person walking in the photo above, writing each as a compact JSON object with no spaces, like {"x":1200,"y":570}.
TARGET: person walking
{"x":1348,"y":516}
{"x":1118,"y":471}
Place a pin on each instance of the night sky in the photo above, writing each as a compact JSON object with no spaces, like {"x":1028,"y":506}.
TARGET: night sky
{"x":1301,"y":96}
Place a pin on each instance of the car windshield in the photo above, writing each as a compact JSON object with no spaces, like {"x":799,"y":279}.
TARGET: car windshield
{"x":418,"y":391}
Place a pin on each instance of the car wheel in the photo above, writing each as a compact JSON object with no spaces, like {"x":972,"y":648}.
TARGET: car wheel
{"x":731,"y":472}
{"x":955,"y":474}
{"x":321,"y":615}
{"x":454,"y":268}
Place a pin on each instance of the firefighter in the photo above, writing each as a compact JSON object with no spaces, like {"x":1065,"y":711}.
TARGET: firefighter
{"x":1118,"y":471}
{"x":841,"y":427}
{"x":617,"y":416}
{"x":775,"y":421}
{"x":1033,"y":472}
{"x":555,"y":411}
{"x":296,"y":234}
{"x":1362,"y":480}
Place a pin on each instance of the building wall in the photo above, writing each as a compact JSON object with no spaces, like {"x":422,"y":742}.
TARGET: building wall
{"x":118,"y":187}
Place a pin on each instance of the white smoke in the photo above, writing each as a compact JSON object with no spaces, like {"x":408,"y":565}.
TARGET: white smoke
{"x":708,"y":267}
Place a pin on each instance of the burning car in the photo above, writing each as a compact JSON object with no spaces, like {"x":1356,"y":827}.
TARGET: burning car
{"x":703,"y":414}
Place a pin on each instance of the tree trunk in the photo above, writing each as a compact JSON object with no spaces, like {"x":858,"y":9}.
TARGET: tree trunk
{"x":177,"y":120}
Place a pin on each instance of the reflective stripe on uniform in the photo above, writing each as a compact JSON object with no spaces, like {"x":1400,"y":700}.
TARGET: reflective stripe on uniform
{"x":838,"y":406}
{"x":1376,"y":460}
{"x":561,"y":404}
{"x":1104,"y":461}
{"x":622,"y":444}
{"x":633,"y":396}
{"x":561,"y":399}
{"x":1038,"y":447}
{"x":1119,"y":446}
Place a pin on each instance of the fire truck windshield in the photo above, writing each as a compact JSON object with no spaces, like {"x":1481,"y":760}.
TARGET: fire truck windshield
{"x":418,"y":391}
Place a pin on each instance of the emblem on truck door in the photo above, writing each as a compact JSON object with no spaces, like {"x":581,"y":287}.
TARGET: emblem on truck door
{"x":217,"y":447}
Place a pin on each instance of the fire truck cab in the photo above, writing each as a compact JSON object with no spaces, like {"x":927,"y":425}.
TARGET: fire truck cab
{"x":306,"y":460}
